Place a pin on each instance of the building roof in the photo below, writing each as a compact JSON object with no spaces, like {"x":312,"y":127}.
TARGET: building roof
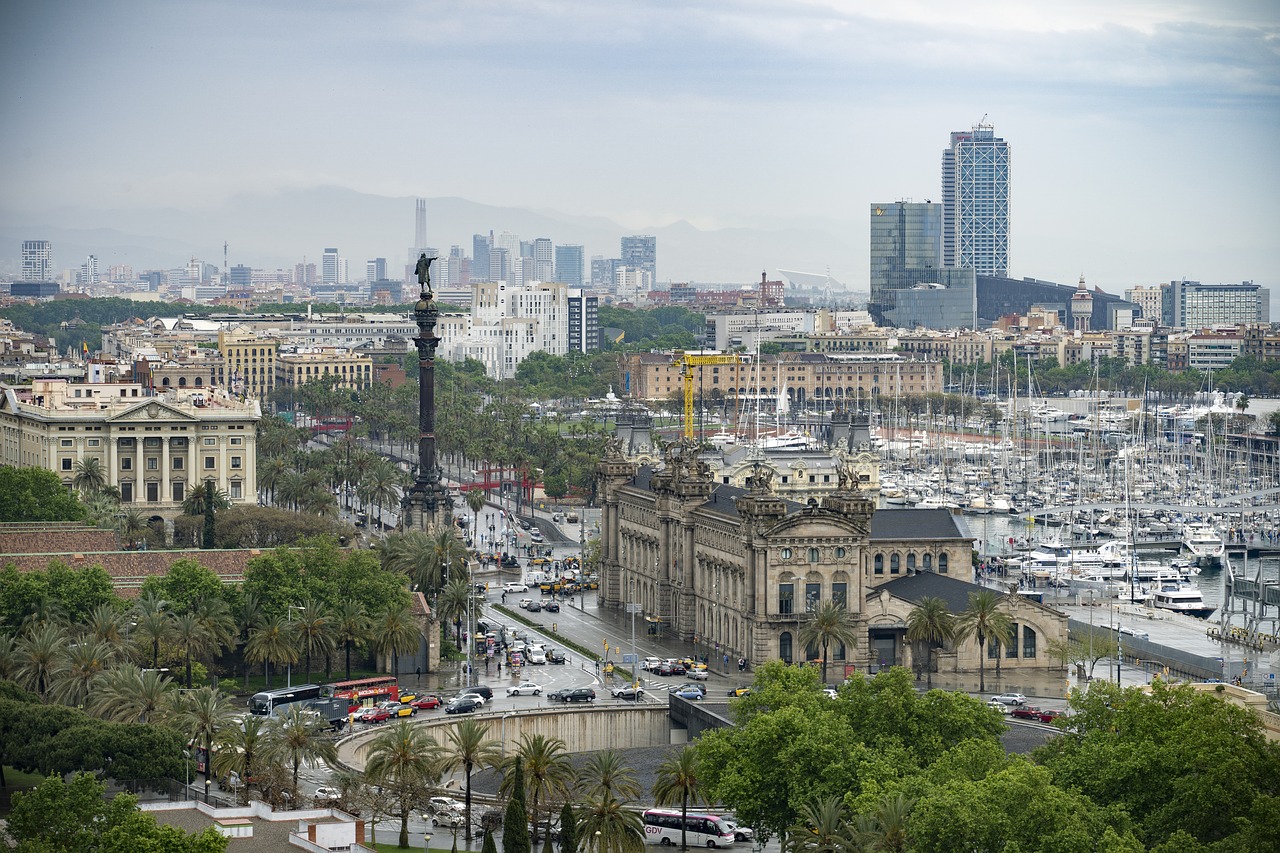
{"x":913,"y":588}
{"x":899,"y":524}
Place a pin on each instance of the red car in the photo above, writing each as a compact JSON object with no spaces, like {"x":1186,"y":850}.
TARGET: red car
{"x":373,"y":715}
{"x":426,"y":703}
{"x":1027,"y":712}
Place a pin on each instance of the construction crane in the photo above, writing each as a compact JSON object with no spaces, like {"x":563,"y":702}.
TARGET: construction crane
{"x":688,"y":361}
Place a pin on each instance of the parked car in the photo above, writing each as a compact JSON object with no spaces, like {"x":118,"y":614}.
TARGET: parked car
{"x":464,"y":704}
{"x":525,"y":688}
{"x":701,"y":688}
{"x":373,"y":714}
{"x":739,"y":691}
{"x":1010,"y":699}
{"x":740,"y":833}
{"x":999,"y":706}
{"x":573,"y":694}
{"x":699,"y":674}
{"x":515,"y":586}
{"x":1031,"y":712}
{"x":328,"y":795}
{"x":555,"y":656}
{"x":551,"y":607}
{"x":397,"y":709}
{"x":426,"y":703}
{"x":628,"y":693}
{"x":445,"y":811}
{"x":689,"y":691}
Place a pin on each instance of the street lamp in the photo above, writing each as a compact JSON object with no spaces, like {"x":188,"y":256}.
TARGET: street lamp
{"x":207,"y":783}
{"x":289,"y":673}
{"x":426,"y":840}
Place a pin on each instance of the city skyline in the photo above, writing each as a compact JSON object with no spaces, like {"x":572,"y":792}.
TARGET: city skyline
{"x":1143,"y":131}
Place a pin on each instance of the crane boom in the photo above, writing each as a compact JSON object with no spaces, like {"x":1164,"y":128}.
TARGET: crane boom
{"x":687,"y":362}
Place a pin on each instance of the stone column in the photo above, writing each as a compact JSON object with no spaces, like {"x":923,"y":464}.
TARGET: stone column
{"x":166,"y":495}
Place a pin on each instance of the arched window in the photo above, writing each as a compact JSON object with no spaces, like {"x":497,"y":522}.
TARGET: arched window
{"x":199,"y":382}
{"x":895,"y":564}
{"x":911,"y":562}
{"x":182,"y":382}
{"x":1011,"y":651}
{"x":784,"y":646}
{"x":813,"y":555}
{"x":942,"y":564}
{"x":1028,"y":641}
{"x":165,"y":382}
{"x":879,"y":564}
{"x":928,"y":562}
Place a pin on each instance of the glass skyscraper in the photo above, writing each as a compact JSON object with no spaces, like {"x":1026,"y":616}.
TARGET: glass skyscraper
{"x":975,"y":202}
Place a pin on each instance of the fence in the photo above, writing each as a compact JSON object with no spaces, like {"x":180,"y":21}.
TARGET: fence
{"x":1133,"y":649}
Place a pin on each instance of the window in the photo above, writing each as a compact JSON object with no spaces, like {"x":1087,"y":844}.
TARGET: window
{"x":68,"y":442}
{"x":126,"y":463}
{"x":895,"y":564}
{"x":235,"y":461}
{"x":840,"y":594}
{"x":840,"y":552}
{"x":813,"y":555}
{"x":210,"y":442}
{"x":208,"y":463}
{"x":786,"y":595}
{"x":1012,"y":650}
{"x":879,"y":561}
{"x":928,"y":562}
{"x":153,"y":492}
{"x":236,"y":442}
{"x":235,"y":490}
{"x":839,"y":652}
{"x":993,"y":650}
{"x":1028,"y":642}
{"x":812,"y":595}
{"x":178,"y":492}
{"x":911,"y":563}
{"x":94,"y":442}
{"x":126,"y":493}
{"x":784,"y":646}
{"x":177,"y":463}
{"x":786,"y":553}
{"x":66,"y":463}
{"x":942,"y":563}
{"x":153,"y":464}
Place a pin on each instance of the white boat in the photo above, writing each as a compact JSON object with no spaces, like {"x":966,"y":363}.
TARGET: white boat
{"x":1181,"y":598}
{"x":1204,"y":542}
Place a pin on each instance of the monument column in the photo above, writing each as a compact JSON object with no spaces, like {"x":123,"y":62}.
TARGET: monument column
{"x":427,"y":505}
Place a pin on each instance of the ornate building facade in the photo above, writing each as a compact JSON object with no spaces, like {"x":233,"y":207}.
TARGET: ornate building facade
{"x":737,"y":572}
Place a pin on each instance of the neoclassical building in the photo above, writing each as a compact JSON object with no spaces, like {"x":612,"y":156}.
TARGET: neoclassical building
{"x":737,"y":571}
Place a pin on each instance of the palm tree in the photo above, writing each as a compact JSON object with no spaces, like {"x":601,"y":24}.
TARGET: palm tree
{"x":297,"y":736}
{"x":133,"y":524}
{"x":475,"y":502}
{"x":886,"y":828}
{"x":82,"y":665}
{"x":247,"y":617}
{"x":453,"y":604}
{"x":424,"y":557}
{"x":823,"y":827}
{"x":241,"y":748}
{"x":930,"y":625}
{"x":40,"y":656}
{"x":90,"y":475}
{"x":404,"y":758}
{"x":314,"y":630}
{"x":984,"y":620}
{"x":271,"y":642}
{"x":832,"y":622}
{"x":200,"y":715}
{"x":394,"y":630}
{"x":154,"y":626}
{"x":214,"y":615}
{"x":381,"y":486}
{"x":677,"y":783}
{"x":197,"y":500}
{"x":468,"y":747}
{"x":105,"y":624}
{"x":351,"y":623}
{"x":192,"y":636}
{"x":609,"y":827}
{"x":607,"y":774}
{"x":8,"y":663}
{"x":127,"y":694}
{"x":548,"y":772}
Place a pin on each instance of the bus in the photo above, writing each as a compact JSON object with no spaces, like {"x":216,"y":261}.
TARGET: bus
{"x":662,"y":826}
{"x":262,"y":704}
{"x":365,"y":691}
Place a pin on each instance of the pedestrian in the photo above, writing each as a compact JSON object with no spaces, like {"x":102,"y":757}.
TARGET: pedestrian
{"x":419,"y":673}
{"x":742,"y":664}
{"x":504,"y":597}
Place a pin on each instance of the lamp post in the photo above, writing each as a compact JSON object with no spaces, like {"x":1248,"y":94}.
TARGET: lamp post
{"x":426,"y":840}
{"x":207,"y":783}
{"x":288,"y":679}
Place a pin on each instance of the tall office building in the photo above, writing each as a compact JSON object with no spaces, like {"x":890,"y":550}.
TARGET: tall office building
{"x":975,"y":202}
{"x":480,"y":246}
{"x":544,"y":261}
{"x":375,"y":269}
{"x":499,"y":263}
{"x":37,"y":260}
{"x":569,"y":265}
{"x":584,"y":322}
{"x":909,"y":286}
{"x":420,"y":223}
{"x":510,"y":242}
{"x":329,"y":266}
{"x":88,"y":272}
{"x":1192,"y":305}
{"x":641,"y":252}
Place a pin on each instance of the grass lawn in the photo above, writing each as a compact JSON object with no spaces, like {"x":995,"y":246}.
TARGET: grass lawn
{"x":392,"y":848}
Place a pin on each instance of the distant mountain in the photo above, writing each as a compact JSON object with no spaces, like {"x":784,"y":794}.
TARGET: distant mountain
{"x":279,"y":230}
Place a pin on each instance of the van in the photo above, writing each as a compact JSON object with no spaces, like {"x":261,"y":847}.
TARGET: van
{"x":479,"y":689}
{"x":571,"y":518}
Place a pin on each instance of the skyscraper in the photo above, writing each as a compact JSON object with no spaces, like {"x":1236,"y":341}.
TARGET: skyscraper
{"x":37,"y":260}
{"x":909,"y":287}
{"x":375,"y":269}
{"x":329,"y":266}
{"x":480,"y":246}
{"x":420,"y":224}
{"x":975,"y":202}
{"x":544,"y":262}
{"x":569,"y":265}
{"x":641,"y":252}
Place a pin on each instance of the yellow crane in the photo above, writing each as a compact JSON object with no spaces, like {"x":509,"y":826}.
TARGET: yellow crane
{"x":688,"y":361}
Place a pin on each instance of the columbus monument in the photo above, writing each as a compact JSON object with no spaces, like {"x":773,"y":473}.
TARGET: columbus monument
{"x":427,"y":505}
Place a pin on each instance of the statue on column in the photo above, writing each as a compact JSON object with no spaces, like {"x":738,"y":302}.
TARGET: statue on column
{"x":424,"y":272}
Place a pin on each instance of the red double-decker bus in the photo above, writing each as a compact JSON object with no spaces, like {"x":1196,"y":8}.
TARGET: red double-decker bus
{"x":364,"y":691}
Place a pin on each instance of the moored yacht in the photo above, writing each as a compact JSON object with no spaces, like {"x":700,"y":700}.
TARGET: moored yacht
{"x":1181,"y":598}
{"x":1204,"y":542}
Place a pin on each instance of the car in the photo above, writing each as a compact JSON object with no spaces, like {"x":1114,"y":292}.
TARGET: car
{"x":464,"y":704}
{"x":628,"y":693}
{"x":551,"y":607}
{"x":699,"y":674}
{"x":466,"y":694}
{"x":649,"y":664}
{"x":426,"y":703}
{"x":396,"y":709}
{"x":373,"y":714}
{"x":327,"y":795}
{"x":556,"y":656}
{"x":740,"y":833}
{"x":524,"y":603}
{"x":573,"y":694}
{"x":445,"y":811}
{"x":689,"y":691}
{"x":830,"y":693}
{"x":1025,"y":712}
{"x":701,"y":688}
{"x":537,"y":657}
{"x":670,"y":668}
{"x":525,"y":688}
{"x":999,"y":706}
{"x":534,"y":606}
{"x":1010,"y":699}
{"x":515,"y":586}
{"x":739,"y":691}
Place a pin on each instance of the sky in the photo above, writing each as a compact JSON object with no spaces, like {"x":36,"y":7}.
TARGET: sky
{"x":1143,"y":134}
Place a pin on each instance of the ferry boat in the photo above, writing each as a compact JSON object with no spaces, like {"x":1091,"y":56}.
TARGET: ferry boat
{"x":1181,"y":598}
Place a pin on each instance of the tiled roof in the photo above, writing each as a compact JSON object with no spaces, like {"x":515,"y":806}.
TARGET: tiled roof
{"x":953,"y":591}
{"x":899,"y":524}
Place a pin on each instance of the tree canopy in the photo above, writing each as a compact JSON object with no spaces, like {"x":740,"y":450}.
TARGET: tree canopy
{"x":34,"y":494}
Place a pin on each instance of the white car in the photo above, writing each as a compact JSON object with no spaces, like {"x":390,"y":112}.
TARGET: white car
{"x":999,"y":706}
{"x":525,"y":602}
{"x":525,"y":688}
{"x":697,"y":674}
{"x":515,"y":586}
{"x":476,"y":696}
{"x":537,"y":657}
{"x":328,"y":795}
{"x":1010,"y":699}
{"x":650,"y":663}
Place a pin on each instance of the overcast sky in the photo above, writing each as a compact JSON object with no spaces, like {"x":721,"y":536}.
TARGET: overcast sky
{"x":1143,"y":134}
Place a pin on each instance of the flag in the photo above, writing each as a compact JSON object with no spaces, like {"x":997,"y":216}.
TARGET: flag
{"x":85,"y":346}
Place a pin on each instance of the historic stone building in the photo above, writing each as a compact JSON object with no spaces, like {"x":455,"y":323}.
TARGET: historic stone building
{"x":737,"y":571}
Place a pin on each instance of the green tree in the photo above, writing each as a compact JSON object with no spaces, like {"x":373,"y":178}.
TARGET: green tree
{"x":546,"y":771}
{"x":468,"y":748}
{"x":885,"y":828}
{"x":677,"y":784}
{"x":351,"y":627}
{"x":271,"y":642}
{"x":74,"y":816}
{"x":83,"y":663}
{"x":34,"y":494}
{"x":395,"y":631}
{"x":984,"y":620}
{"x":610,"y":827}
{"x":568,"y":830}
{"x":40,"y":656}
{"x":200,"y":714}
{"x":822,"y":827}
{"x":831,"y":623}
{"x":240,"y":749}
{"x":515,"y":818}
{"x":192,"y":637}
{"x":295,"y":737}
{"x":606,"y":773}
{"x":127,"y":694}
{"x":314,"y":629}
{"x":90,"y":477}
{"x":183,"y":584}
{"x":930,"y":626}
{"x":405,"y":759}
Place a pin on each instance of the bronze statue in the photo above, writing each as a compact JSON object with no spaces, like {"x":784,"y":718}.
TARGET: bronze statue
{"x":424,"y":272}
